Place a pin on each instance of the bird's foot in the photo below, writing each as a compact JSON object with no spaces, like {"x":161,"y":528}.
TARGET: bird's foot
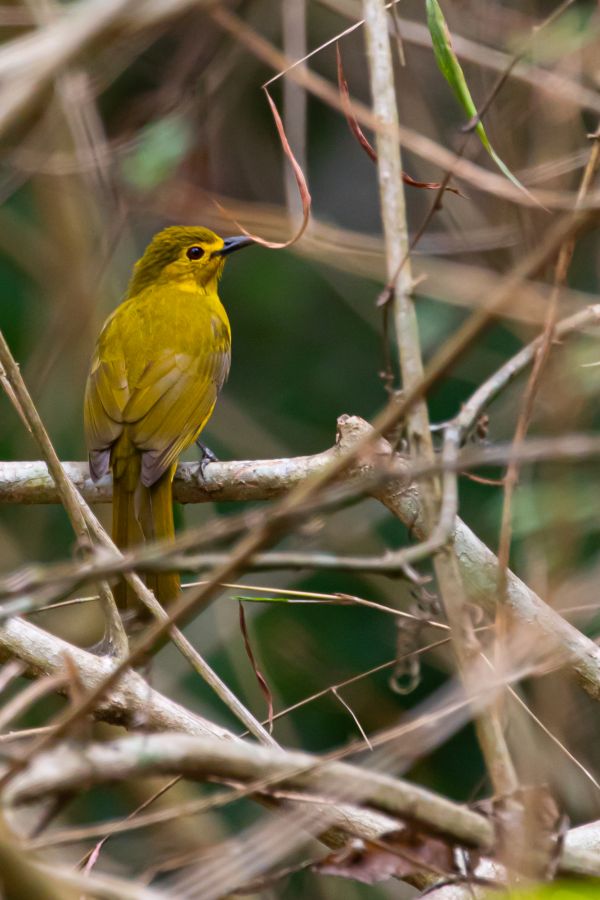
{"x":206,"y":457}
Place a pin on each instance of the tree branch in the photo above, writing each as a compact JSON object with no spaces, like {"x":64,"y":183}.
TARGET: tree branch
{"x":260,"y":480}
{"x":437,"y":524}
{"x":417,"y":143}
{"x":68,"y":769}
{"x":133,"y":703}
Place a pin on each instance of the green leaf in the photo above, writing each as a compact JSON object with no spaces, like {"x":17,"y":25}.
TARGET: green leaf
{"x":559,"y":890}
{"x":161,"y":147}
{"x":451,"y":70}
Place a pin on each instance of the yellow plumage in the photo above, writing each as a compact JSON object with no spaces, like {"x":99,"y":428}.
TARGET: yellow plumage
{"x":160,"y":362}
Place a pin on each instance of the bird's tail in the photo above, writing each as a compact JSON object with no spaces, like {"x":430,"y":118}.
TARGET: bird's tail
{"x":141,"y":514}
{"x":156,"y":516}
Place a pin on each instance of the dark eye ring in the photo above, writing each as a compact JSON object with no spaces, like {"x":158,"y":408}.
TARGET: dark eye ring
{"x":195,"y":253}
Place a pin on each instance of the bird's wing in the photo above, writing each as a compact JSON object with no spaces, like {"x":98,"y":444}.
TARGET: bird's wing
{"x":106,"y":395}
{"x":162,"y":410}
{"x":170,"y":405}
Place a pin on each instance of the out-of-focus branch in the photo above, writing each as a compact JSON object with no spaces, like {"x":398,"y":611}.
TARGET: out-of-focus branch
{"x":399,"y":279}
{"x":24,"y":876}
{"x":68,"y":769}
{"x":554,"y":84}
{"x":44,"y":52}
{"x":293,"y":15}
{"x":479,"y":566}
{"x":458,"y":429}
{"x":542,"y":355}
{"x":22,"y":879}
{"x":193,"y":757}
{"x":583,"y":840}
{"x":70,"y":499}
{"x":29,"y":63}
{"x":417,"y":143}
{"x":512,"y":368}
{"x":133,"y":703}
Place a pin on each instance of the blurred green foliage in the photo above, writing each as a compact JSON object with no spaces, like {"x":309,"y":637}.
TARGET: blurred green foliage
{"x":185,"y":118}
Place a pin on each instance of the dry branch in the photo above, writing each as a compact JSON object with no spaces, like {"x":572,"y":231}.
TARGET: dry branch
{"x":65,"y":769}
{"x":132,"y":703}
{"x":267,"y":479}
{"x":399,"y":280}
{"x":553,"y":83}
{"x":70,"y":769}
{"x":414,"y":141}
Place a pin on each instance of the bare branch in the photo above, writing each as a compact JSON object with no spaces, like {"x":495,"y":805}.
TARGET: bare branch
{"x":464,"y":640}
{"x":132,"y":703}
{"x":479,"y":566}
{"x":417,"y":143}
{"x":68,"y":769}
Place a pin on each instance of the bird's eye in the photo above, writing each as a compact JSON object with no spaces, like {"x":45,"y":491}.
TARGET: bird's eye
{"x":195,"y":253}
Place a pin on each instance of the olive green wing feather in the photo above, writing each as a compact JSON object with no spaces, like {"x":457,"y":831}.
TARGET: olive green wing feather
{"x":171,"y":404}
{"x":162,"y":413}
{"x":106,"y":395}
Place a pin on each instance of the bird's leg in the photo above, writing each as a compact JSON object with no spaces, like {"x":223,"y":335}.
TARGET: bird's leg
{"x":206,"y":457}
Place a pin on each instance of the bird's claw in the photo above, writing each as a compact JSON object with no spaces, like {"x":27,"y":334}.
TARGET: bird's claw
{"x":206,"y":456}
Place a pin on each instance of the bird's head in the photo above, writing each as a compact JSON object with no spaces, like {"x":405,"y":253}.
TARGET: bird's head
{"x":184,"y":254}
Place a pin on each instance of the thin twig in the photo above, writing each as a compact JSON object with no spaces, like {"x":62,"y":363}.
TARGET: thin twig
{"x":202,"y":757}
{"x":70,"y":498}
{"x":543,"y":348}
{"x":85,"y":524}
{"x":415,"y":142}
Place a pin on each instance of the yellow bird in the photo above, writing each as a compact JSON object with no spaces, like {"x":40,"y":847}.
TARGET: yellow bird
{"x":161,"y":359}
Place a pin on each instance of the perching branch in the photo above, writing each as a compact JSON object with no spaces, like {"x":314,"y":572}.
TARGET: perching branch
{"x":479,"y":566}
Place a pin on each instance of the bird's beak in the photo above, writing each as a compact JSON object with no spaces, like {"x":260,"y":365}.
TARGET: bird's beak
{"x":231,"y":244}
